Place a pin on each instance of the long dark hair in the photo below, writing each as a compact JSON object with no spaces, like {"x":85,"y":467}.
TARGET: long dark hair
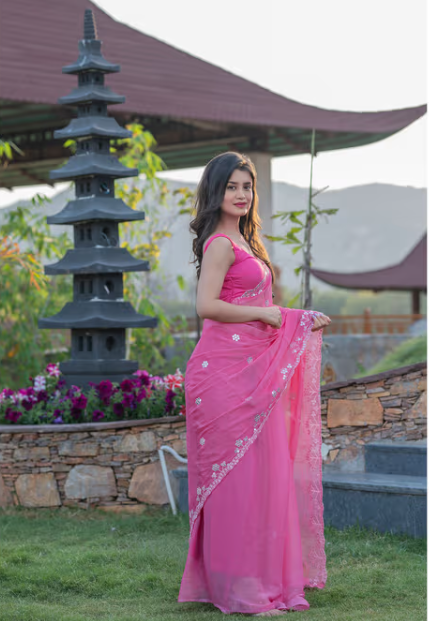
{"x":208,"y":201}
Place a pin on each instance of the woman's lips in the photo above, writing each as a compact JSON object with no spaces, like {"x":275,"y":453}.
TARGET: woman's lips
{"x":240,"y":204}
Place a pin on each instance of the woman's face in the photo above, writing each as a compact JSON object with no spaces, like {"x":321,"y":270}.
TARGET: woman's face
{"x":238,"y":194}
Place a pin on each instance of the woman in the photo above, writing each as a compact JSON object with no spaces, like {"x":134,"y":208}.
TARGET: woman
{"x":253,"y":416}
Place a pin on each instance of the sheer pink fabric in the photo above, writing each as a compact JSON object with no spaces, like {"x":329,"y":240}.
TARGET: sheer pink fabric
{"x":254,"y":455}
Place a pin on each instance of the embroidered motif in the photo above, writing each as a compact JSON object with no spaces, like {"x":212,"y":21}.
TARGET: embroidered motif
{"x":223,"y":464}
{"x":215,"y":467}
{"x":257,"y":418}
{"x":267,"y":302}
{"x":198,"y":400}
{"x":202,"y":441}
{"x":274,"y":393}
{"x":198,"y":491}
{"x":235,"y":337}
{"x":239,"y":443}
{"x":248,"y":398}
{"x":250,"y":359}
{"x":256,"y":290}
{"x":205,"y":364}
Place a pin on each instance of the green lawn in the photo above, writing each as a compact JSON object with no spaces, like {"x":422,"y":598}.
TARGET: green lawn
{"x":71,"y":565}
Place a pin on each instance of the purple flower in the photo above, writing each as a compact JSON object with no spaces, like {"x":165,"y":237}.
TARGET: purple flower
{"x":118,"y":409}
{"x":7,"y":392}
{"x":143,"y":376}
{"x":79,"y":403}
{"x":27,"y":405}
{"x":128,"y":401}
{"x":141,"y":395}
{"x":61,"y":384}
{"x":127,"y":385}
{"x":58,"y":420}
{"x":169,"y":400}
{"x":76,"y":413}
{"x":105,"y":389}
{"x":97,"y":415}
{"x":42,"y":395}
{"x":13,"y":415}
{"x":57,"y":413}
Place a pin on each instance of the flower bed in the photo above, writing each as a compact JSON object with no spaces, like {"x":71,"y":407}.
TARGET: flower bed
{"x":49,"y":401}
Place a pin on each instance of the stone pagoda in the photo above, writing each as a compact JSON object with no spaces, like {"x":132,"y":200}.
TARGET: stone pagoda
{"x":98,"y":316}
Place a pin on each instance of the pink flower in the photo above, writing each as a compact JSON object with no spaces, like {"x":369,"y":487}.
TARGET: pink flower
{"x":97,"y":415}
{"x":172,"y":381}
{"x":53,"y":370}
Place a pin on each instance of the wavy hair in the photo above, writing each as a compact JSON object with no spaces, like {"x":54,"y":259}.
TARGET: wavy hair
{"x":209,"y":197}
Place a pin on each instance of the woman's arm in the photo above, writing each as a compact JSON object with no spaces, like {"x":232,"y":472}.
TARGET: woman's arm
{"x":217,"y":259}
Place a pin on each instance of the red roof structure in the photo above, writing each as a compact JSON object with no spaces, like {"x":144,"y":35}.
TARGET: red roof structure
{"x":194,"y":109}
{"x":408,"y":275}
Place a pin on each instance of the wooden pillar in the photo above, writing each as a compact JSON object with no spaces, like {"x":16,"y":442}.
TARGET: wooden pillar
{"x":415,"y":296}
{"x":262,"y":162}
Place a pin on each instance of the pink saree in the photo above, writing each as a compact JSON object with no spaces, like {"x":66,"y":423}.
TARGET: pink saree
{"x":254,"y":455}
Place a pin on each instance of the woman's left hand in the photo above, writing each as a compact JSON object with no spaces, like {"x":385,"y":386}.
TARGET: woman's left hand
{"x":320,"y":321}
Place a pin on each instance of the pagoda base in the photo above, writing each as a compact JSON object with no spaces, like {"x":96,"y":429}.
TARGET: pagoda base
{"x":81,"y":372}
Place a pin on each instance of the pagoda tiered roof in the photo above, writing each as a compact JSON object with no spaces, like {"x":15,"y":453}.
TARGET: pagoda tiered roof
{"x":98,"y":259}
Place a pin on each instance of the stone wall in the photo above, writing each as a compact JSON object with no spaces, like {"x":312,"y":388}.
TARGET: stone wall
{"x":114,"y":466}
{"x":390,"y":405}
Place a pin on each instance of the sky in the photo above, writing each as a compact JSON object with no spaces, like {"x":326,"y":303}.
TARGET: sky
{"x":365,"y":55}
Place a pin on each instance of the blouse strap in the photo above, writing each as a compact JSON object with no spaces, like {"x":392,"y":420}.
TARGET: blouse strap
{"x":214,"y":237}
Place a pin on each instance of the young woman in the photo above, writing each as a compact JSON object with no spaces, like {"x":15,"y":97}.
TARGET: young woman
{"x":253,"y":416}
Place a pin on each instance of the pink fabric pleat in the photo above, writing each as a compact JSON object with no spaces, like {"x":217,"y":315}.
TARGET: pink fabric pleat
{"x":254,"y":456}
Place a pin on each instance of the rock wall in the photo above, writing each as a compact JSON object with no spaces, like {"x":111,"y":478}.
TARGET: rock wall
{"x":390,"y":405}
{"x":114,"y":466}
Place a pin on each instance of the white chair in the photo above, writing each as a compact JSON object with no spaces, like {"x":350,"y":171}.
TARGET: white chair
{"x":166,"y":475}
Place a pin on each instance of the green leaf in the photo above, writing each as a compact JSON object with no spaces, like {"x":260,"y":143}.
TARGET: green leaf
{"x":297,"y":249}
{"x":297,"y":270}
{"x":181,"y":282}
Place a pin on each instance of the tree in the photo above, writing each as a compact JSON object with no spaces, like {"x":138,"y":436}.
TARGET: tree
{"x":303,"y":226}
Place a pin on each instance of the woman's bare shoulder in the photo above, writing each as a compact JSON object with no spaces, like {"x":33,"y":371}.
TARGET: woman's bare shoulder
{"x":220,"y":245}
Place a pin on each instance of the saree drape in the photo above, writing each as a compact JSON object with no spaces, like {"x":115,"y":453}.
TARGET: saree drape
{"x":254,"y":455}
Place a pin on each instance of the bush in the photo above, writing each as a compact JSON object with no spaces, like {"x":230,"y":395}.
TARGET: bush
{"x":49,"y":401}
{"x":409,"y":352}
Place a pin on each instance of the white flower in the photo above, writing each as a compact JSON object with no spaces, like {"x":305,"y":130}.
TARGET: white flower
{"x":215,"y":467}
{"x":235,"y":337}
{"x":39,"y":383}
{"x":205,"y":364}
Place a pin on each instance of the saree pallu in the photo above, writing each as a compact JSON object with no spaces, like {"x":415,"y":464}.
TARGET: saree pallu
{"x":254,"y":456}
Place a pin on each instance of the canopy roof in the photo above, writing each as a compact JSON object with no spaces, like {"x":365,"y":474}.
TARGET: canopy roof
{"x":195,"y":109}
{"x":408,"y":275}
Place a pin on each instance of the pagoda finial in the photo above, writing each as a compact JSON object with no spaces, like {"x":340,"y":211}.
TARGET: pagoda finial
{"x":89,"y":27}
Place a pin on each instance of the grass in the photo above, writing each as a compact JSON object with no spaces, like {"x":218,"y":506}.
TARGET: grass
{"x":73,"y":565}
{"x":409,"y":352}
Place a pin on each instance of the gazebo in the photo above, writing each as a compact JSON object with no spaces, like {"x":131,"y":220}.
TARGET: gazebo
{"x":408,"y":275}
{"x":194,"y":109}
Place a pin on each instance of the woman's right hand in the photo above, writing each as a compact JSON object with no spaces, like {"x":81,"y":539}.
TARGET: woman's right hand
{"x":272,"y":316}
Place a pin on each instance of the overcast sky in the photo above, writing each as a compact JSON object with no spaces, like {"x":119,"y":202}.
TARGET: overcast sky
{"x":364,"y":55}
